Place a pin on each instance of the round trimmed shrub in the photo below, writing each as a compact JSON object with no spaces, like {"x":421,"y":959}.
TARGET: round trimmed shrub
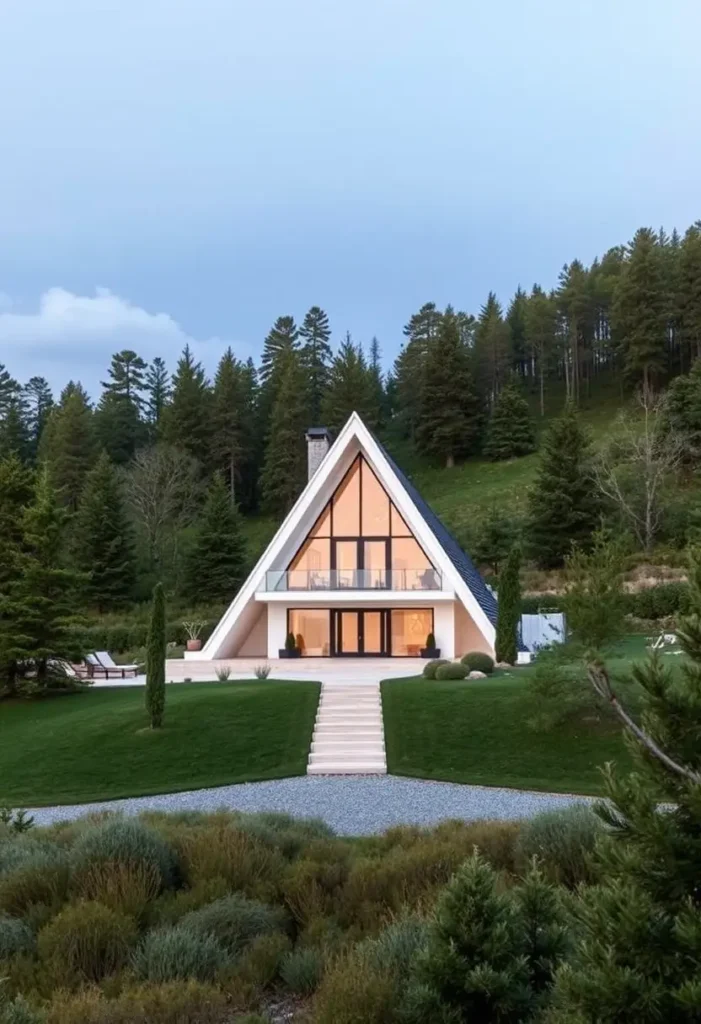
{"x":431,"y":667}
{"x":178,"y":953}
{"x":15,"y":937}
{"x":234,"y":921}
{"x":453,"y":670}
{"x":562,"y":841}
{"x":302,"y":970}
{"x":128,"y":841}
{"x":476,"y":661}
{"x":88,"y":941}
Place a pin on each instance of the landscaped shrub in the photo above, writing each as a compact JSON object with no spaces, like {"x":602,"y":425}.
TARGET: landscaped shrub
{"x":31,"y":873}
{"x":25,"y":851}
{"x":15,"y":937}
{"x":660,"y":602}
{"x":283,"y":832}
{"x":311,"y":885}
{"x":453,"y":670}
{"x":302,"y":970}
{"x":234,"y":921}
{"x":224,"y":851}
{"x":86,"y":941}
{"x":562,"y":841}
{"x":476,"y":661}
{"x":128,"y":841}
{"x":259,"y":965}
{"x":397,"y":946}
{"x":20,"y":1012}
{"x":353,"y":992}
{"x":431,"y":667}
{"x":121,"y":885}
{"x":178,"y":953}
{"x":174,"y":1002}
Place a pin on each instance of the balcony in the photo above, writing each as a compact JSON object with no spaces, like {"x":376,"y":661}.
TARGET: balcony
{"x":286,"y":580}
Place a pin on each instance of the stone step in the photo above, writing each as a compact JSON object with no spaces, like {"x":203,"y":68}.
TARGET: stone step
{"x":337,"y":732}
{"x":348,"y":757}
{"x":348,"y":718}
{"x":348,"y":745}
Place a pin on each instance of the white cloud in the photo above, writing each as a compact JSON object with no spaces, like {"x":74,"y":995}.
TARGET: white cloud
{"x":73,"y":336}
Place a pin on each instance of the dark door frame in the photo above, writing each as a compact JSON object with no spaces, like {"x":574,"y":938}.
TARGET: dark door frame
{"x":337,"y":633}
{"x":360,"y":559}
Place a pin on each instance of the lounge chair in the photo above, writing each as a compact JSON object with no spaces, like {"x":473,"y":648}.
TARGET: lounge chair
{"x":101,"y":663}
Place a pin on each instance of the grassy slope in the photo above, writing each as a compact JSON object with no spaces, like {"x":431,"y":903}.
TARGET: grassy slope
{"x":93,"y":745}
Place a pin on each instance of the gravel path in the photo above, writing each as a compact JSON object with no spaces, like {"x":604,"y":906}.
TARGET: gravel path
{"x":351,"y":805}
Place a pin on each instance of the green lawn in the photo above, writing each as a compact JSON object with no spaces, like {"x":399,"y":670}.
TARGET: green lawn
{"x":93,"y":745}
{"x":475,"y":732}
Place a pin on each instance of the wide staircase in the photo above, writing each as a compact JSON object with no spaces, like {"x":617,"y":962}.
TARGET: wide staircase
{"x":349,"y":736}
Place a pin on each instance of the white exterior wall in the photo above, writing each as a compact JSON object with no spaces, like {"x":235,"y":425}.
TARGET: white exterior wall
{"x":444,"y":628}
{"x":277,"y":629}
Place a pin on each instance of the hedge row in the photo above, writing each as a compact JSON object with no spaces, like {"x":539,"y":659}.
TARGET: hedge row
{"x":660,"y":602}
{"x":130,"y":636}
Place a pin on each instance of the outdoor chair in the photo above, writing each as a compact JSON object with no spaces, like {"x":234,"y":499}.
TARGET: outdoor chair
{"x":101,"y":663}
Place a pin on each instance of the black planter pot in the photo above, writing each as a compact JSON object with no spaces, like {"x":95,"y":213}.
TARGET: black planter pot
{"x":285,"y":652}
{"x":430,"y":652}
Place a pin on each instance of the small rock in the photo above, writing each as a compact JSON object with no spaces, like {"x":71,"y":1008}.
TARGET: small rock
{"x":477,"y":675}
{"x":503,"y":664}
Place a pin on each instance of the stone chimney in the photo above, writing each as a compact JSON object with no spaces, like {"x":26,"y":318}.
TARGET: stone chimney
{"x":318,"y":443}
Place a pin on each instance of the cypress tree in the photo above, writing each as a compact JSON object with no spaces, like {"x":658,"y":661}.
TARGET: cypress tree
{"x":509,"y":608}
{"x":285,"y":463}
{"x":186,"y":421}
{"x":350,"y":388}
{"x":510,"y":433}
{"x":640,"y":310}
{"x":217,"y":562}
{"x":68,"y":447}
{"x":450,"y":417}
{"x":102,"y":539}
{"x":563,"y":506}
{"x":315,"y":334}
{"x":156,"y":660}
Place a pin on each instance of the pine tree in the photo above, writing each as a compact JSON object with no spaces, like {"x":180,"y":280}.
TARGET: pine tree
{"x":14,"y":430}
{"x":421,"y":331}
{"x":350,"y":388}
{"x":516,"y":322}
{"x":639,"y":929}
{"x":495,"y":538}
{"x":126,"y":374}
{"x":9,"y":389}
{"x":690,"y":290}
{"x":16,"y":490}
{"x":682,"y":411}
{"x":378,"y":398}
{"x":39,"y":405}
{"x":640,"y":314}
{"x":68,"y":448}
{"x":38,"y":612}
{"x":509,"y":609}
{"x":576,"y":311}
{"x":285,"y":463}
{"x":218,"y":557}
{"x":316,"y":358}
{"x":102,"y":539}
{"x":187,"y":422}
{"x":563,"y":508}
{"x":156,"y":660}
{"x":119,"y":429}
{"x":227,"y":419}
{"x":252,"y":438}
{"x":157,"y":388}
{"x":282,"y":340}
{"x":492,"y":348}
{"x":450,"y":417}
{"x":510,"y":433}
{"x":540,"y":317}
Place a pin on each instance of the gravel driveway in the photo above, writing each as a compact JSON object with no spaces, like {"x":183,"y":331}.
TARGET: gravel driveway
{"x":351,"y":805}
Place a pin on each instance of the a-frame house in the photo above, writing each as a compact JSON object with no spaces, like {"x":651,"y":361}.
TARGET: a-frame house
{"x":360,"y":567}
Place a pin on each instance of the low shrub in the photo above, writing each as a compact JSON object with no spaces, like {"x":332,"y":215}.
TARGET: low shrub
{"x":355,"y":992}
{"x":129,"y":842}
{"x":234,"y":921}
{"x":660,"y":602}
{"x":171,"y":907}
{"x":15,"y":937}
{"x":283,"y":832}
{"x":25,"y":851}
{"x":242,"y":860}
{"x":34,"y":873}
{"x":310,"y":886}
{"x":563,"y":842}
{"x":223,"y":673}
{"x":20,"y":1012}
{"x":302,"y":970}
{"x":453,"y":670}
{"x":477,"y":661}
{"x":261,"y":671}
{"x":432,"y":666}
{"x":174,"y":1002}
{"x":120,"y":885}
{"x":178,"y":953}
{"x":397,"y":946}
{"x":86,"y":941}
{"x":259,"y":966}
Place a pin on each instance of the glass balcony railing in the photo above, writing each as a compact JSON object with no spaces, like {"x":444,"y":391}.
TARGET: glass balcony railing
{"x":352,"y":579}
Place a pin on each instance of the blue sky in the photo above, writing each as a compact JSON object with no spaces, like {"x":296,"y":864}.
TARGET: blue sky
{"x":177,"y":169}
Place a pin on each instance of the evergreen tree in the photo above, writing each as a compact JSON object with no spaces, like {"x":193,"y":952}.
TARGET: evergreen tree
{"x":540,"y":317}
{"x":640,"y":313}
{"x":682,"y":410}
{"x":509,"y":608}
{"x":68,"y":448}
{"x":516,"y":322}
{"x":119,"y":429}
{"x":187,"y":420}
{"x":639,"y":929}
{"x":285,"y":462}
{"x":316,"y":358}
{"x":156,"y":660}
{"x":217,"y":561}
{"x":690,"y":290}
{"x":350,"y":389}
{"x":38,"y":611}
{"x":492,"y":348}
{"x":227,"y":419}
{"x":16,"y":490}
{"x":563,"y":508}
{"x":495,"y":538}
{"x":421,"y":331}
{"x":102,"y":539}
{"x":157,"y":388}
{"x":39,"y":405}
{"x":14,"y":430}
{"x":9,"y":389}
{"x":126,"y":375}
{"x":378,"y":398}
{"x":450,"y":418}
{"x":252,"y":438}
{"x":510,"y":432}
{"x":575,"y":305}
{"x":282,"y":340}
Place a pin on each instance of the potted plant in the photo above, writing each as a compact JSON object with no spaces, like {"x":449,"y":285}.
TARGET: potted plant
{"x":193,"y":628}
{"x":290,"y":650}
{"x":430,"y":650}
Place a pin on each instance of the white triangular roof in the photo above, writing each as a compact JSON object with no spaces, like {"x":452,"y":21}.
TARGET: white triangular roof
{"x":353,"y":438}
